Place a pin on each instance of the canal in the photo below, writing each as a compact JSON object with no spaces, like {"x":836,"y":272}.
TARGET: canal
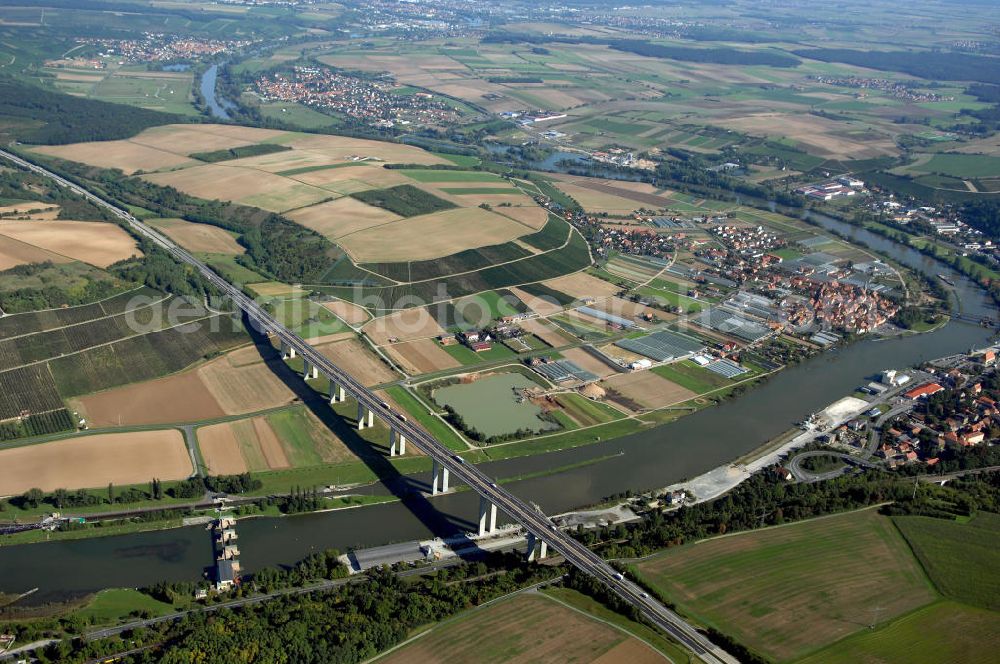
{"x":649,"y":459}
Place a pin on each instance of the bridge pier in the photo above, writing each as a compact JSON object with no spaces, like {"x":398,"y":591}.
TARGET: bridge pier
{"x":365,"y":420}
{"x":435,"y":474}
{"x":337,"y":394}
{"x":487,"y":516}
{"x":530,"y":553}
{"x":444,"y":479}
{"x":287,"y":351}
{"x":543,"y":550}
{"x":397,"y":443}
{"x":309,"y":370}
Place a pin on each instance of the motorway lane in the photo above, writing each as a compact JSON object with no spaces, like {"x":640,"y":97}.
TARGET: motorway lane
{"x":532,"y":520}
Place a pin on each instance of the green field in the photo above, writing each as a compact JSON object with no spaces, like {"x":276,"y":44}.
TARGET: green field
{"x":404,"y":200}
{"x":941,"y":632}
{"x":521,"y":629}
{"x":962,"y":559}
{"x":787,"y":590}
{"x":689,"y":375}
{"x":115,"y":604}
{"x":306,"y":318}
{"x":585,"y":411}
{"x":434,"y":426}
{"x":480,"y":191}
{"x":962,"y":165}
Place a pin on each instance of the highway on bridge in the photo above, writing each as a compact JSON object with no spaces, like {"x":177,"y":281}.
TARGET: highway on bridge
{"x":533,"y":520}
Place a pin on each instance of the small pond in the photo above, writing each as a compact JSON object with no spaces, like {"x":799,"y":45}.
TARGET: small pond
{"x":493,"y":404}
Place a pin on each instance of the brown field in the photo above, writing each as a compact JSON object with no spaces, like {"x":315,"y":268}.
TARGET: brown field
{"x":341,"y":217}
{"x":526,"y":628}
{"x":596,"y":202}
{"x":99,"y":244}
{"x":125,"y":155}
{"x":431,"y":236}
{"x":349,"y":179}
{"x":421,"y":356}
{"x":815,"y":134}
{"x":406,"y":325}
{"x":198,"y":237}
{"x":185,"y":139}
{"x":648,"y":389}
{"x":354,"y":357}
{"x":242,"y":383}
{"x":642,"y":193}
{"x":241,"y":446}
{"x":625,"y":308}
{"x":350,"y":313}
{"x":22,"y":208}
{"x":14,"y":252}
{"x":541,"y":306}
{"x":345,"y":147}
{"x":95,"y":461}
{"x":588,"y":362}
{"x":547,"y":332}
{"x":529,"y":215}
{"x":581,"y":285}
{"x":178,"y":398}
{"x":241,"y":185}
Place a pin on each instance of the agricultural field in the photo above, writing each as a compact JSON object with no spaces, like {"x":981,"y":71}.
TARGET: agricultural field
{"x":787,"y":590}
{"x":941,"y":632}
{"x":198,"y":237}
{"x":94,"y":243}
{"x":421,"y":356}
{"x":95,"y":461}
{"x":177,"y":398}
{"x":641,"y":390}
{"x":356,"y":358}
{"x":291,"y":438}
{"x":691,"y":376}
{"x":938,"y":543}
{"x":528,"y":627}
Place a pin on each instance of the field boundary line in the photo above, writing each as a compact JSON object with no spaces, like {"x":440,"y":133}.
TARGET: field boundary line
{"x":105,"y":317}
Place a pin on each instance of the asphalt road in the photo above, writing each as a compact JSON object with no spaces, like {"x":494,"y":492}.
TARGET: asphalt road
{"x":533,"y":520}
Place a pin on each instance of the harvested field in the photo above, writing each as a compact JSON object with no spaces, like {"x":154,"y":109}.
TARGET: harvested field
{"x":241,"y":185}
{"x":198,"y":237}
{"x":789,"y":590}
{"x":348,"y":312}
{"x":547,"y":332}
{"x":431,"y":236}
{"x":588,"y":362}
{"x":124,"y":155}
{"x":343,"y":216}
{"x":220,"y":450}
{"x":648,"y":389}
{"x":275,"y":289}
{"x":346,"y":148}
{"x":422,"y":356}
{"x":541,"y":306}
{"x":529,"y":215}
{"x":582,"y":285}
{"x":640,"y":193}
{"x":99,"y":244}
{"x":95,"y":461}
{"x":595,"y":201}
{"x":185,"y":139}
{"x":14,"y":252}
{"x":241,"y":446}
{"x":625,"y":308}
{"x":24,"y":208}
{"x":351,"y":177}
{"x":241,"y":385}
{"x":815,"y":134}
{"x":354,"y":357}
{"x":416,"y":323}
{"x":178,"y":398}
{"x":525,"y":628}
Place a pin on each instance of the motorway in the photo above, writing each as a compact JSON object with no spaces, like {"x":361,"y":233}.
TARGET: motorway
{"x":533,"y":520}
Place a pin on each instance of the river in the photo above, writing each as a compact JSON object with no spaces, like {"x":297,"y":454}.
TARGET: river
{"x":649,"y":459}
{"x":218,"y":106}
